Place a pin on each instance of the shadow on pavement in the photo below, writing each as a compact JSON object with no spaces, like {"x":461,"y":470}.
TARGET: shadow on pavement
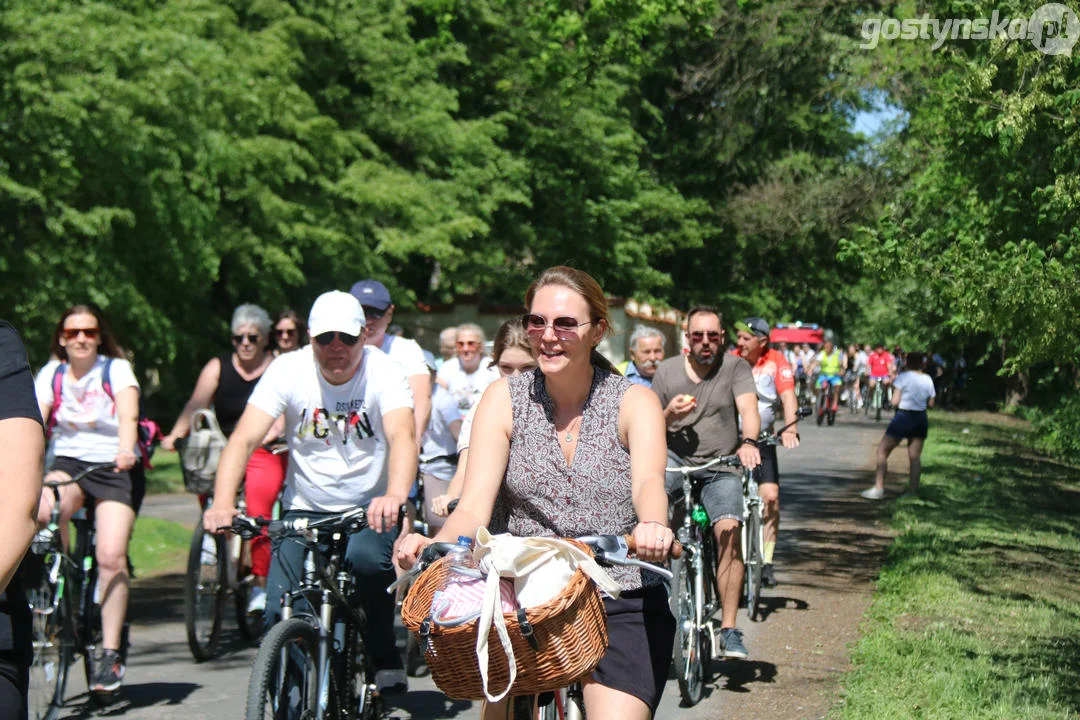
{"x":429,"y":704}
{"x":740,"y":673}
{"x":132,"y":698}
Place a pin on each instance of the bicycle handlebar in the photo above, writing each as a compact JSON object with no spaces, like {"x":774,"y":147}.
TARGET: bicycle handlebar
{"x":773,"y":438}
{"x":71,"y":481}
{"x":249,"y":527}
{"x":726,"y":460}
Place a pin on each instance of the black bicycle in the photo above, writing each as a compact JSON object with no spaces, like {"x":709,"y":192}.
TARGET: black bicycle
{"x":65,"y":614}
{"x":314,"y":664}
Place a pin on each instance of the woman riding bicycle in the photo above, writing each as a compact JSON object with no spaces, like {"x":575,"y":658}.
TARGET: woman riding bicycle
{"x":571,"y":448}
{"x":226,"y":382}
{"x":511,"y":355}
{"x":95,"y":419}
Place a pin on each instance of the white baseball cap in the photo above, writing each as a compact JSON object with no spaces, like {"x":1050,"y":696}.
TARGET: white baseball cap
{"x":336,"y":311}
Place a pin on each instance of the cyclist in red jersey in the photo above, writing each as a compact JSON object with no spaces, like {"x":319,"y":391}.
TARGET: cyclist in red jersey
{"x":882,"y":366}
{"x":775,"y":387}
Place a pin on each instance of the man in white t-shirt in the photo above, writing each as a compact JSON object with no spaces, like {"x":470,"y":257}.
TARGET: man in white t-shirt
{"x":378,"y":313}
{"x":468,"y":375}
{"x":349,"y":426}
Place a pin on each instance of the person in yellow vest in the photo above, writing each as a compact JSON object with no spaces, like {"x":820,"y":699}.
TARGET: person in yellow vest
{"x":830,"y":363}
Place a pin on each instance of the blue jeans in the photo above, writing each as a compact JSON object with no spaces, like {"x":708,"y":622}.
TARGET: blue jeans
{"x":369,"y":557}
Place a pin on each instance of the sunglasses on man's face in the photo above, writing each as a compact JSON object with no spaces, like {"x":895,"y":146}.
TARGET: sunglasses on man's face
{"x":563,"y":326}
{"x":372,"y":314}
{"x":696,"y":337}
{"x":250,"y":337}
{"x":326,"y":338}
{"x":72,"y":333}
{"x":468,"y":344}
{"x":285,"y":332}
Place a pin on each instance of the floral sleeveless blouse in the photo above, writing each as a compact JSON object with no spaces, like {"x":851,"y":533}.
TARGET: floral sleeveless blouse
{"x":541,"y":495}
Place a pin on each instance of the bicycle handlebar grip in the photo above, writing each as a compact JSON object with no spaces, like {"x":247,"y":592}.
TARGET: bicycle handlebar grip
{"x":675,"y":551}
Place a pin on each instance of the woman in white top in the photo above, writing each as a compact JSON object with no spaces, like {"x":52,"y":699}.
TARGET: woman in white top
{"x":94,"y":419}
{"x":913,"y":393}
{"x":512,"y":355}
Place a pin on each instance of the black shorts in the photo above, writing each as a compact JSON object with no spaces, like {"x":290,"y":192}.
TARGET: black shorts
{"x":908,"y":424}
{"x":126,"y":487}
{"x":769,"y":470}
{"x":641,"y":635}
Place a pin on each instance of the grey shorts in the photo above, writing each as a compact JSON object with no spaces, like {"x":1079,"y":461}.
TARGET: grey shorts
{"x":721,"y":495}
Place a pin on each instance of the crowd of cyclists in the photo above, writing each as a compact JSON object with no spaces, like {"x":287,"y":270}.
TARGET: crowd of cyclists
{"x":541,"y":437}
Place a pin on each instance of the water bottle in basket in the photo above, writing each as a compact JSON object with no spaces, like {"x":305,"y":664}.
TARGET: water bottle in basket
{"x":461,"y":586}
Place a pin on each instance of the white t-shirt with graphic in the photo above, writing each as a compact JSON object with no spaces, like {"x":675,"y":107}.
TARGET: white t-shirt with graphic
{"x":439,"y":442}
{"x":87,"y":424}
{"x":406,"y":353}
{"x":917,"y":389}
{"x":467,"y":388}
{"x":338,"y":451}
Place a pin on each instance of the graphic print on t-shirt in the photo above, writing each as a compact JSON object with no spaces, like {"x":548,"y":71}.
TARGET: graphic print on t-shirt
{"x":350,"y":421}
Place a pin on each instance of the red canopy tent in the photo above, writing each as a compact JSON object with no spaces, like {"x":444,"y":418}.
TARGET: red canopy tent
{"x":797,"y":335}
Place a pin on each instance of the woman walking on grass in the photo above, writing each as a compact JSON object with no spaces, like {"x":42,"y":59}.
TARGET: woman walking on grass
{"x":913,"y":393}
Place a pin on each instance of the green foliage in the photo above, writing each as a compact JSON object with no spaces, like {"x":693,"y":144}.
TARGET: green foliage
{"x":1058,"y":428}
{"x":986,"y":219}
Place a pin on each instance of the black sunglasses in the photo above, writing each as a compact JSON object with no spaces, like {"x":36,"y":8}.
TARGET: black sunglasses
{"x":373,"y":314}
{"x":696,"y":337}
{"x":251,"y":338}
{"x":326,"y":338}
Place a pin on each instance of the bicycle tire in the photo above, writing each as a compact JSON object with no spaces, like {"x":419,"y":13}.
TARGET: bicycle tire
{"x":204,"y":596}
{"x":830,"y":417}
{"x":53,"y":642}
{"x":754,"y":562}
{"x":89,"y":640}
{"x":285,"y":668}
{"x":687,"y":655}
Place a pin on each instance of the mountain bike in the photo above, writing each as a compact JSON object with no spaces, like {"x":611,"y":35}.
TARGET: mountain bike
{"x":219,"y":566}
{"x":314,"y":663}
{"x":694,"y":599}
{"x":877,"y":399}
{"x":824,"y":408}
{"x":62,"y":594}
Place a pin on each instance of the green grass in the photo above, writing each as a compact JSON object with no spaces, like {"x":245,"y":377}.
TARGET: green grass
{"x":977,"y":613}
{"x":159,"y":546}
{"x":165,"y":476}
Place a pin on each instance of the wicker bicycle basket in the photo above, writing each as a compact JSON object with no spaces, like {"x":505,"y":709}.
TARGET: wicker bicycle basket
{"x":570,"y":632}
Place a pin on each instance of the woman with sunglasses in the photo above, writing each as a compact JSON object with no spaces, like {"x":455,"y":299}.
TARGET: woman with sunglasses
{"x":465,"y":376}
{"x":226,"y":383}
{"x":574,"y":448}
{"x":94,"y":419}
{"x":511,"y":355}
{"x":290,"y":332}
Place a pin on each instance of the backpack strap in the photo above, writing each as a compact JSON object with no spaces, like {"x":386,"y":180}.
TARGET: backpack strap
{"x":57,"y":388}
{"x":106,"y":383}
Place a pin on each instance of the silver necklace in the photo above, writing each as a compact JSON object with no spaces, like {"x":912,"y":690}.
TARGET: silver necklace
{"x":569,"y":433}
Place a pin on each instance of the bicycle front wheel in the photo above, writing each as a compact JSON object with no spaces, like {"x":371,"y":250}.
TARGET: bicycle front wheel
{"x":754,"y":561}
{"x":51,"y":629}
{"x":284,"y":679}
{"x":688,"y":656}
{"x":204,"y":593}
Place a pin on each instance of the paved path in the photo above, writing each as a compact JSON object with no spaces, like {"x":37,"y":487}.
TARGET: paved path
{"x":831,"y":544}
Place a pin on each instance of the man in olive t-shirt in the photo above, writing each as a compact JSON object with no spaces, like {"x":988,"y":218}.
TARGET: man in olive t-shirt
{"x":703,"y":394}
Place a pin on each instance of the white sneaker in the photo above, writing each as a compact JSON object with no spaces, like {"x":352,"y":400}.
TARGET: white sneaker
{"x":873,"y":493}
{"x":256,"y":600}
{"x":209,"y":550}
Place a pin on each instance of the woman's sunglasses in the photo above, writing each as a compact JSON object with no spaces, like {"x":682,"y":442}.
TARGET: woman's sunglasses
{"x":563,"y":326}
{"x":72,"y":333}
{"x":286,"y":332}
{"x":326,"y":338}
{"x":250,"y":337}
